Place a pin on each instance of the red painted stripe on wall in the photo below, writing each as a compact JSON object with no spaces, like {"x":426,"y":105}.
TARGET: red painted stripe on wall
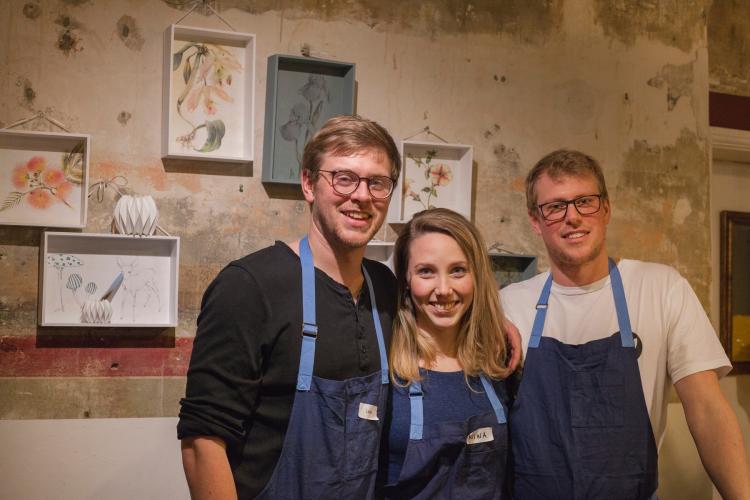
{"x":26,"y":357}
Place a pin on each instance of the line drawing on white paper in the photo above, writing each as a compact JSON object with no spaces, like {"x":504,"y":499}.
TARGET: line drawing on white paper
{"x":61,"y":261}
{"x":137,"y":283}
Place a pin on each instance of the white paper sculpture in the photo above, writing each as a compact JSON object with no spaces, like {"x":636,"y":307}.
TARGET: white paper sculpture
{"x":136,"y":215}
{"x":100,"y":311}
{"x":96,"y":311}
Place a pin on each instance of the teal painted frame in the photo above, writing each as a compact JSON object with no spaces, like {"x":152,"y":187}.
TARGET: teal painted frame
{"x":287,"y":103}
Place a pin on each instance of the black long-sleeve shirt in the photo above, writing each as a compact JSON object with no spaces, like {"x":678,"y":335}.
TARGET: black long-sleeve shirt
{"x":243,"y":371}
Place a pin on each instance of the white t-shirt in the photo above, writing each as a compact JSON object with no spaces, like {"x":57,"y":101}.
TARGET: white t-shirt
{"x":677,"y":337}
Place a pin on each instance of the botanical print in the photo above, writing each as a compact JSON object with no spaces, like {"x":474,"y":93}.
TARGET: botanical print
{"x":304,"y":118}
{"x":304,"y":101}
{"x":207,"y":115}
{"x":137,"y":299}
{"x":435,"y":175}
{"x":40,"y":187}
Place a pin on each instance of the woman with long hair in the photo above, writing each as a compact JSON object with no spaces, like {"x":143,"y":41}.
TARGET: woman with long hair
{"x":446,"y":435}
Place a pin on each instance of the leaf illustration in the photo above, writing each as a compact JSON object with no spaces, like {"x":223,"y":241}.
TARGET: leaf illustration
{"x":189,"y":84}
{"x":316,"y":113}
{"x":216,"y":130}
{"x":427,"y":173}
{"x":426,"y":189}
{"x":187,"y":70}
{"x":72,"y":164}
{"x":177,"y":56}
{"x":434,"y":192}
{"x":13,"y":199}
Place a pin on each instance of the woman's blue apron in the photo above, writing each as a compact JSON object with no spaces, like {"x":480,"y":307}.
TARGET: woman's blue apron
{"x":458,"y":460}
{"x":332,"y":442}
{"x":580,"y":427}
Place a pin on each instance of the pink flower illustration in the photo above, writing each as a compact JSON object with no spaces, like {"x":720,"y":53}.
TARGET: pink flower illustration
{"x":40,"y":198}
{"x":441,"y":175}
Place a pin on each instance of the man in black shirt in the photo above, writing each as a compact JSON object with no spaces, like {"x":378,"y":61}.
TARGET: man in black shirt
{"x":254,"y":423}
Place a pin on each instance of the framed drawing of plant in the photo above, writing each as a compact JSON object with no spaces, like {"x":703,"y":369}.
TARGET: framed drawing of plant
{"x":108,"y":280}
{"x":301,"y":94}
{"x":432,"y":175}
{"x":209,"y":95}
{"x":43,"y":178}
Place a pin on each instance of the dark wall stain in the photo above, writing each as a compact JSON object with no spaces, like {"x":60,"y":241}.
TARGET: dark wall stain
{"x":676,"y":23}
{"x":69,"y":40}
{"x":527,"y":20}
{"x":661,"y":208}
{"x":677,"y":79}
{"x":123,"y":117}
{"x":28,"y":94}
{"x":32,"y":10}
{"x":729,"y":46}
{"x":75,"y":3}
{"x":129,"y":33}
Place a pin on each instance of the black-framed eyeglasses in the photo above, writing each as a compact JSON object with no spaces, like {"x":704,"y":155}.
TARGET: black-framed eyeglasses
{"x":345,"y":182}
{"x":585,"y":205}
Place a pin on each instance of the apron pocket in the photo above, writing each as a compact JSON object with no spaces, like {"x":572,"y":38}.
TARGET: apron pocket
{"x":597,"y":399}
{"x":362,"y":445}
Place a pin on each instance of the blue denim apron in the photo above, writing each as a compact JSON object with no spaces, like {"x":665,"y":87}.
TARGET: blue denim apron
{"x":580,"y":427}
{"x":332,"y":442}
{"x":465,"y":460}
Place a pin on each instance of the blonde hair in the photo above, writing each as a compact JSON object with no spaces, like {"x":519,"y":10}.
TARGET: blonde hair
{"x":481,"y":338}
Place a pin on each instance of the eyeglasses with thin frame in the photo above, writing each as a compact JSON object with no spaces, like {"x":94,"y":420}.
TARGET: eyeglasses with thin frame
{"x":557,"y":210}
{"x":345,"y":182}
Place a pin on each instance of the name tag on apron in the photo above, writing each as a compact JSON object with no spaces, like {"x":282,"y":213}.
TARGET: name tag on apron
{"x":368,"y":412}
{"x":482,"y":435}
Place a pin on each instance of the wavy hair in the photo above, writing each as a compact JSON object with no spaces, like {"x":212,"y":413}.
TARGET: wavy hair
{"x":481,"y":339}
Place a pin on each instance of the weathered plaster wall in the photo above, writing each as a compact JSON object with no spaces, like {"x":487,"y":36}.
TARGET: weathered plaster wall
{"x":625,"y":81}
{"x":729,"y":47}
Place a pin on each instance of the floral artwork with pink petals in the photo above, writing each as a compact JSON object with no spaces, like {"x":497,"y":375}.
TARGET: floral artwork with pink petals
{"x":207,"y":82}
{"x":435,"y":175}
{"x":40,"y":187}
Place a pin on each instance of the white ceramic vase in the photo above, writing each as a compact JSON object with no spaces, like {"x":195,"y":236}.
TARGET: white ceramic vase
{"x":136,"y":215}
{"x":96,"y":311}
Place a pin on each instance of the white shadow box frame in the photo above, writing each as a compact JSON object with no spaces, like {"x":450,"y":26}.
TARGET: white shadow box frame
{"x":208,"y":95}
{"x":44,"y":178}
{"x":381,"y":251}
{"x":432,"y":175}
{"x":76,"y":266}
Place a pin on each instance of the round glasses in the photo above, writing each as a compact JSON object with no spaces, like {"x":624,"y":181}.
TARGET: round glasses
{"x":585,"y":205}
{"x":345,"y":182}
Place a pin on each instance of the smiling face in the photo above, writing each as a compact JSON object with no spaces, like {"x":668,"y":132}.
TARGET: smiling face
{"x":440,"y":283}
{"x":347,"y":221}
{"x":576,"y":244}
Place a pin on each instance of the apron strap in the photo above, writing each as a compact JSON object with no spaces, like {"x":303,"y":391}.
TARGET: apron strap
{"x":621,"y":305}
{"x":378,"y":328}
{"x":541,"y":314}
{"x":494,"y":400}
{"x":309,"y":325}
{"x":417,"y":415}
{"x":416,"y":403}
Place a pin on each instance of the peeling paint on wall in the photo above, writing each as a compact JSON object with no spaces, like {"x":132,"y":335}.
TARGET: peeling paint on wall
{"x":661,"y":208}
{"x":677,"y":79}
{"x":676,"y":23}
{"x":28,"y":94}
{"x":32,"y":10}
{"x":530,"y":21}
{"x":129,"y":33}
{"x":69,"y":40}
{"x":729,"y":47}
{"x":123,"y":117}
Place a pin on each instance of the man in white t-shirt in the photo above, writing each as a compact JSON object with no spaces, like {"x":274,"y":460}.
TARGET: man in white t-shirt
{"x":602,"y":340}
